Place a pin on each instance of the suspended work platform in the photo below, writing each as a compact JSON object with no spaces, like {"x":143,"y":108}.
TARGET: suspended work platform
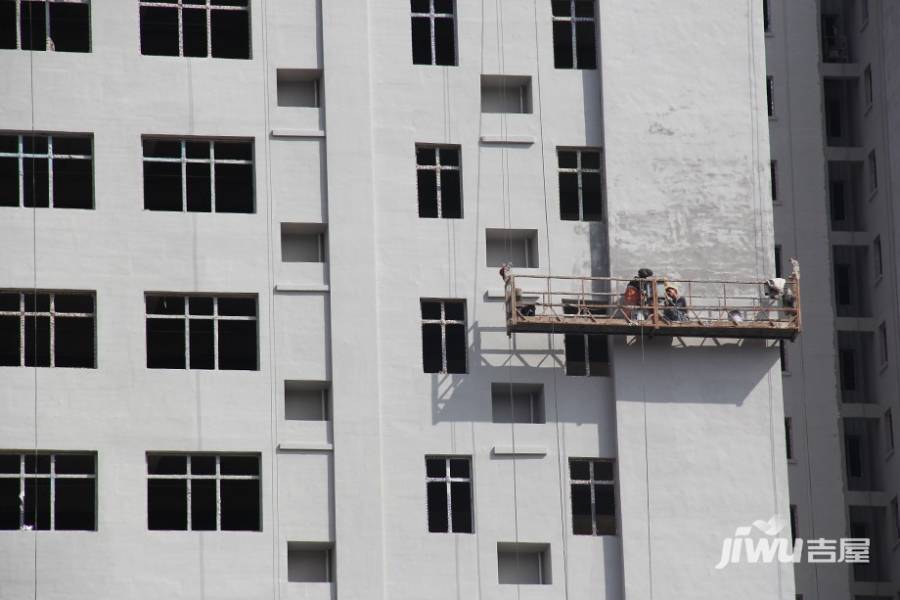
{"x":606,"y":305}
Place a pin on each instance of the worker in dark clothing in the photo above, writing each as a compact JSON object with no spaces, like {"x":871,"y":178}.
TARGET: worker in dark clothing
{"x":637,"y":293}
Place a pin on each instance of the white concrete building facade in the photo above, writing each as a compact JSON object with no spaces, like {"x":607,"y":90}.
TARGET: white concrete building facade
{"x":296,"y":380}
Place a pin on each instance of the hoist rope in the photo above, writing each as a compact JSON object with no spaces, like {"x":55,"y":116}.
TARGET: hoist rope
{"x":270,"y":279}
{"x":561,"y":452}
{"x":34,"y":246}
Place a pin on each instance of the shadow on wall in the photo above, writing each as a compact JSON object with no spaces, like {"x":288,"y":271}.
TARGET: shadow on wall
{"x":668,"y":370}
{"x":467,"y":397}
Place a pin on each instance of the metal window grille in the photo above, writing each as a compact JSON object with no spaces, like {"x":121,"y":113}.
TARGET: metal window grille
{"x":444,"y":321}
{"x":187,"y":317}
{"x":595,"y":479}
{"x":48,"y":41}
{"x":445,"y":159}
{"x":217,"y":476}
{"x":21,"y":156}
{"x":447,"y":480}
{"x":184,"y":161}
{"x":35,"y":472}
{"x":580,"y":170}
{"x":208,"y":6}
{"x":30,"y":308}
{"x":434,"y":14}
{"x":578,"y":12}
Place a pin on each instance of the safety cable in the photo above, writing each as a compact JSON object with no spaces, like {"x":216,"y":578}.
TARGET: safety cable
{"x":270,"y":279}
{"x":560,"y":437}
{"x":34,"y":246}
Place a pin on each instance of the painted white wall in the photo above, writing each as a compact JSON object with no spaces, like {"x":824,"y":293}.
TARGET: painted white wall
{"x":698,"y":426}
{"x":362,"y":332}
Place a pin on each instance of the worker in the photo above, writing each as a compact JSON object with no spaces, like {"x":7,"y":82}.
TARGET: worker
{"x":676,"y":306}
{"x":523,"y":308}
{"x":637,"y":293}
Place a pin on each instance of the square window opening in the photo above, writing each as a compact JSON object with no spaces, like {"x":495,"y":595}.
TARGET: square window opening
{"x":303,"y":242}
{"x":523,"y":564}
{"x":306,"y":401}
{"x":518,"y":247}
{"x":309,"y":562}
{"x":509,"y":94}
{"x":298,"y":87}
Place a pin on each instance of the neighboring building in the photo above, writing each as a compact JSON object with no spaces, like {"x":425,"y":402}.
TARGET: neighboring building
{"x":835,"y":128}
{"x":251,"y":327}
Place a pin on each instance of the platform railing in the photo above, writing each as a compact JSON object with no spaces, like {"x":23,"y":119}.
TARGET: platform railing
{"x":599,"y":300}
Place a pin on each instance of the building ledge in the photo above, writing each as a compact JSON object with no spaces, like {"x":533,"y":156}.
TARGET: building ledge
{"x":305,"y":447}
{"x":301,"y":287}
{"x":534,"y":451}
{"x":513,"y":140}
{"x":298,"y":133}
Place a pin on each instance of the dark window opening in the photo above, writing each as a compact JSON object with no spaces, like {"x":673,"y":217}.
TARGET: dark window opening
{"x":215,"y":333}
{"x":198,"y":176}
{"x":203,"y":492}
{"x":220,"y":29}
{"x":580,"y":185}
{"x":449,"y":493}
{"x":574,"y":34}
{"x":61,"y":163}
{"x":593,"y":497}
{"x":42,"y":491}
{"x":438,"y":182}
{"x":433,"y":32}
{"x":58,"y":329}
{"x":444,"y":346}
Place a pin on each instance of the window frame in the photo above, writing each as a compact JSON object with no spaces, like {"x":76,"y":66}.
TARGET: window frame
{"x":218,"y":477}
{"x":21,"y":156}
{"x":49,"y":46}
{"x":432,"y":15}
{"x":573,"y":19}
{"x":770,"y":95}
{"x":215,"y":317}
{"x":438,"y":168}
{"x":444,"y":322}
{"x":579,"y":170}
{"x":448,"y":480}
{"x":23,"y":314}
{"x":53,"y":477}
{"x":212,"y":161}
{"x":208,"y":7}
{"x":592,"y":482}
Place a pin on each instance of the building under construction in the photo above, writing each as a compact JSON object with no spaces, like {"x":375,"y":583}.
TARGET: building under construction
{"x":254,"y":344}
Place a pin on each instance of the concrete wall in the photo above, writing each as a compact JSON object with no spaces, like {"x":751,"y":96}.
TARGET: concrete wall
{"x":698,"y":424}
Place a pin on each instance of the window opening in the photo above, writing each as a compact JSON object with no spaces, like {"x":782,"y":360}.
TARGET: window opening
{"x":438,"y":182}
{"x":47,"y":329}
{"x":574,"y":36}
{"x":444,"y":336}
{"x":593,"y":496}
{"x":199,"y":28}
{"x":449,"y":486}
